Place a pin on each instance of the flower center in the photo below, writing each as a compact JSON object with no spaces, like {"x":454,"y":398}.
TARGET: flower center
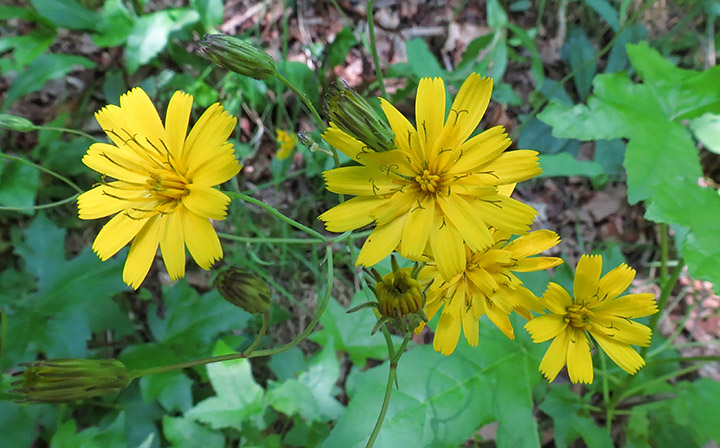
{"x":167,"y":186}
{"x":428,"y":182}
{"x":579,"y":317}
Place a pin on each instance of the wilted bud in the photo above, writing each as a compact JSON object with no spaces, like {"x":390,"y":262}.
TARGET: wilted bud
{"x":352,"y":114}
{"x":60,"y":380}
{"x":244,"y":289}
{"x":16,"y":123}
{"x":400,"y":298}
{"x":238,"y":55}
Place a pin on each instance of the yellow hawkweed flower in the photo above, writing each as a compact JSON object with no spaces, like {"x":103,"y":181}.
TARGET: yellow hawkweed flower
{"x":488,"y":286}
{"x":595,"y":309}
{"x":287,"y":143}
{"x":158,"y":183}
{"x":437,"y":186}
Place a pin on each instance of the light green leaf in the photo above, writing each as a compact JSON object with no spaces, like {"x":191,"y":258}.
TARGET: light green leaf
{"x":185,"y":433}
{"x":422,"y":61}
{"x":66,"y":14}
{"x":116,"y":23}
{"x":211,"y":12}
{"x":564,"y":164}
{"x":707,"y":130}
{"x":496,"y":15}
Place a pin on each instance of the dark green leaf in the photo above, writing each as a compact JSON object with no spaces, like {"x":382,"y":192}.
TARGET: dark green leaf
{"x":572,"y":420}
{"x":618,"y":59}
{"x":580,"y":53}
{"x":606,"y":11}
{"x":338,"y":49}
{"x":564,"y":164}
{"x":18,"y":185}
{"x":67,"y":14}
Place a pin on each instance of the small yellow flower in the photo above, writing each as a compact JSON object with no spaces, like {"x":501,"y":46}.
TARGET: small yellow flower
{"x":596,"y":310}
{"x":287,"y":143}
{"x":488,"y":286}
{"x":438,"y":187}
{"x":157,"y":181}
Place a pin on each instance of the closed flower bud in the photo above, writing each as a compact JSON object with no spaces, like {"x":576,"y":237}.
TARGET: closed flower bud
{"x":16,"y":123}
{"x":61,"y":380}
{"x":244,"y":289}
{"x":352,"y":114}
{"x":238,"y":55}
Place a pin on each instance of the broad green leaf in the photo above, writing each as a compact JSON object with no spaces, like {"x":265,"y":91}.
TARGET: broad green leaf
{"x":496,"y":15}
{"x":707,"y":130}
{"x":473,"y":49}
{"x":606,"y":11}
{"x":211,"y":12}
{"x":443,"y":400}
{"x":287,"y":364}
{"x":185,"y":433}
{"x":610,"y":154}
{"x":571,"y":419}
{"x":338,"y":49}
{"x":151,"y":32}
{"x":19,"y":424}
{"x":422,"y":61}
{"x":238,"y":396}
{"x":564,"y":164}
{"x":18,"y":185}
{"x":580,"y":53}
{"x":116,"y":23}
{"x":66,"y":14}
{"x":44,"y":68}
{"x":539,"y":136}
{"x":28,"y":46}
{"x":107,"y":436}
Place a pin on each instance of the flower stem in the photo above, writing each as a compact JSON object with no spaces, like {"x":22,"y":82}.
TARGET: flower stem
{"x":260,"y":335}
{"x":663,"y":253}
{"x":67,"y":181}
{"x":373,"y":47}
{"x":69,"y":131}
{"x":662,"y":301}
{"x":251,"y":352}
{"x":392,"y":374}
{"x":304,"y":98}
{"x":273,"y":211}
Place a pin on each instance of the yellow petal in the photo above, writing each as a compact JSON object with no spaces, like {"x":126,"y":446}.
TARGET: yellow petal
{"x":556,"y":356}
{"x":400,"y":203}
{"x":533,"y":243}
{"x":579,"y":359}
{"x":466,"y":112}
{"x":516,"y":166}
{"x":546,"y":327}
{"x":345,"y":143}
{"x":219,"y":167}
{"x":621,"y":353}
{"x":201,"y":239}
{"x":116,"y":234}
{"x":95,"y":203}
{"x":381,"y":242}
{"x":142,"y":117}
{"x":447,"y":247}
{"x":556,"y":299}
{"x":113,"y":121}
{"x":506,"y":213}
{"x":206,"y":202}
{"x":587,"y":276}
{"x":417,"y":228}
{"x":142,"y":253}
{"x":506,"y":190}
{"x":447,"y":334}
{"x":483,"y":280}
{"x":115,"y":162}
{"x":351,"y":214}
{"x":470,"y":327}
{"x":172,"y":244}
{"x":406,"y":138}
{"x":176,"y":124}
{"x":621,"y":330}
{"x":481,"y":150}
{"x":499,"y":318}
{"x":467,"y":219}
{"x":210,"y":132}
{"x":536,"y":264}
{"x":615,"y":282}
{"x":359,"y":180}
{"x":526,"y":299}
{"x":430,"y":112}
{"x":629,"y":306}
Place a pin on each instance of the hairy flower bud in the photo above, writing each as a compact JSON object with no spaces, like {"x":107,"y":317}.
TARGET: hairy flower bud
{"x":244,"y":289}
{"x":61,"y":380}
{"x":353,"y":114}
{"x":16,"y":123}
{"x":238,"y":55}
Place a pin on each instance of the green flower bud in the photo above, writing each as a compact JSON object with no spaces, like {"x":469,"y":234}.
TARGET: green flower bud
{"x":244,"y":289}
{"x":353,"y":114}
{"x":238,"y":55}
{"x":61,"y":380}
{"x":16,"y":123}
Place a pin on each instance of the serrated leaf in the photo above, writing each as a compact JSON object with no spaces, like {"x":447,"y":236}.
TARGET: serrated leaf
{"x":185,"y":433}
{"x":66,"y":14}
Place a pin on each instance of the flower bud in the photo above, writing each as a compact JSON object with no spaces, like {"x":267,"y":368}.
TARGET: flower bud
{"x":61,"y":380}
{"x":238,"y":55}
{"x":244,"y":289}
{"x":353,"y":115}
{"x":16,"y":123}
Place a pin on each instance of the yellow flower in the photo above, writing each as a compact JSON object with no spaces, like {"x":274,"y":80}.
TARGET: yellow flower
{"x":437,"y":187}
{"x":286,"y":142}
{"x":158,"y":183}
{"x":487,"y":285}
{"x":595,"y":309}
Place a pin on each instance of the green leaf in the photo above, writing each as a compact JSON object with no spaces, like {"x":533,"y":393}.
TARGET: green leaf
{"x":151,"y":32}
{"x":581,"y":55}
{"x":571,"y":419}
{"x":185,"y":433}
{"x":496,"y":15}
{"x":422,"y":61}
{"x":606,"y":11}
{"x":338,"y":49}
{"x":238,"y":396}
{"x":610,"y":154}
{"x":707,"y":130}
{"x":28,"y":46}
{"x":13,"y":12}
{"x":564,"y":164}
{"x":536,"y":65}
{"x":110,"y":436}
{"x":19,"y":424}
{"x":66,"y":14}
{"x":211,"y":12}
{"x":44,"y":68}
{"x":116,"y":23}
{"x":442,"y":401}
{"x":287,"y":364}
{"x":19,"y":183}
{"x":617,"y":58}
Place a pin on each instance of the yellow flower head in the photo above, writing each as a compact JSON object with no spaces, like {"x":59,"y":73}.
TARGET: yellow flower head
{"x":438,"y":187}
{"x":487,"y":285}
{"x":596,"y":310}
{"x":157,"y":181}
{"x":286,"y":142}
